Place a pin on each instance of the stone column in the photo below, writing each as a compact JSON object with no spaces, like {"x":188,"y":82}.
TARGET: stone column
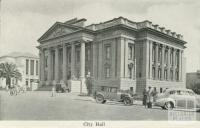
{"x":150,"y":59}
{"x":126,"y":58}
{"x":64,"y":63}
{"x":56,"y":64}
{"x":94,"y":59}
{"x":100,"y":57}
{"x":180,"y":65}
{"x":49,"y":64}
{"x":156,"y":62}
{"x":174,"y":64}
{"x":29,"y":73}
{"x":121,"y":47}
{"x":72,"y":59}
{"x":82,"y":64}
{"x":42,"y":59}
{"x":82,"y":59}
{"x":168,"y":64}
{"x":163,"y":63}
{"x":146,"y":59}
{"x":113,"y":56}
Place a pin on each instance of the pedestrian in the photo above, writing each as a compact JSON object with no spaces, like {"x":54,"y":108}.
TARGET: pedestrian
{"x":145,"y":97}
{"x":53,"y":91}
{"x":149,"y":98}
{"x":155,"y":93}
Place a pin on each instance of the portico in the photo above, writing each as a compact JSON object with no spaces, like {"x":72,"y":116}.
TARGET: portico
{"x":64,"y":62}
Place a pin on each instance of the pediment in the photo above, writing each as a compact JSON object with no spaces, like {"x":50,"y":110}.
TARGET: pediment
{"x":57,"y":30}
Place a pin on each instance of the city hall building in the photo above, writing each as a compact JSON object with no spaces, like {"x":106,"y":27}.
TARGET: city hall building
{"x":116,"y":54}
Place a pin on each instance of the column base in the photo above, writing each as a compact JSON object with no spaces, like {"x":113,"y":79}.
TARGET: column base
{"x":83,"y":86}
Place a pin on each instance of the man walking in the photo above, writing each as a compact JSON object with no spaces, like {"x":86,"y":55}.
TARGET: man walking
{"x":149,"y":98}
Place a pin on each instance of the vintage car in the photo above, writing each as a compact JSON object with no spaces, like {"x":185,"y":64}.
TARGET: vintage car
{"x":178,"y":98}
{"x":61,"y":88}
{"x":113,"y":94}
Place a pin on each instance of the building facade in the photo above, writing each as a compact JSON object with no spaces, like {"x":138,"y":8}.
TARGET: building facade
{"x":28,"y":66}
{"x":117,"y":54}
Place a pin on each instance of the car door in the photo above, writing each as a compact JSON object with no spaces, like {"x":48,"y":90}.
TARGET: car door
{"x":190,"y":100}
{"x":113,"y":94}
{"x":180,"y":99}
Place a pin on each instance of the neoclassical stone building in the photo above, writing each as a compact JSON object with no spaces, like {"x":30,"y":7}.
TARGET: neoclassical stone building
{"x":117,"y":54}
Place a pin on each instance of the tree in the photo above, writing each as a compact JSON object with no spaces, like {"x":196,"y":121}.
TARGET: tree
{"x":8,"y":71}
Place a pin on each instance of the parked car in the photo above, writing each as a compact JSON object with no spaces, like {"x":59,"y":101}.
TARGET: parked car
{"x":178,"y":98}
{"x":112,"y":94}
{"x":60,"y":88}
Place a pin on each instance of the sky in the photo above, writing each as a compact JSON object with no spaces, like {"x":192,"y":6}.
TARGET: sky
{"x":24,"y":21}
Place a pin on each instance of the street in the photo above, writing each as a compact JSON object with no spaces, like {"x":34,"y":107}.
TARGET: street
{"x":69,"y":106}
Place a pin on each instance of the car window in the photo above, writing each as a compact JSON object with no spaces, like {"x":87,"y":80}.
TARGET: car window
{"x":172,"y":92}
{"x":182,"y":92}
{"x":191,"y":93}
{"x":114,"y":90}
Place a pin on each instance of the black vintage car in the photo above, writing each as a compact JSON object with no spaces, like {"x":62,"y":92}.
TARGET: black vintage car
{"x":61,"y":88}
{"x":113,"y":94}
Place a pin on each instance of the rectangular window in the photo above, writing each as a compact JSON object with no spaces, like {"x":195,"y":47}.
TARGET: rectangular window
{"x":69,"y":56}
{"x":159,"y":55}
{"x":37,"y":67}
{"x":159,"y":73}
{"x":171,"y":74}
{"x":130,"y":52}
{"x":165,"y":74}
{"x":32,"y":67}
{"x":27,"y":66}
{"x":107,"y":52}
{"x":130,"y":72}
{"x":153,"y":73}
{"x":171,"y":58}
{"x":177,"y":58}
{"x":27,"y":82}
{"x":177,"y":75}
{"x":153,"y":54}
{"x":46,"y":61}
{"x":78,"y":56}
{"x":88,"y":55}
{"x":107,"y":74}
{"x":166,"y":57}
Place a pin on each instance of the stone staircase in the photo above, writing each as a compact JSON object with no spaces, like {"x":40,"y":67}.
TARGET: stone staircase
{"x":75,"y":86}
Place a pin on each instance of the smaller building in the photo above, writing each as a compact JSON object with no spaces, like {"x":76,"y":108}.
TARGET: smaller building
{"x":193,"y":79}
{"x":28,"y":66}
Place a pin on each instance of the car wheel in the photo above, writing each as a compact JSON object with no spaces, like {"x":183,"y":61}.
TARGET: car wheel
{"x":104,"y":102}
{"x":163,"y":107}
{"x":100,"y":99}
{"x":127,"y":101}
{"x":169,"y":105}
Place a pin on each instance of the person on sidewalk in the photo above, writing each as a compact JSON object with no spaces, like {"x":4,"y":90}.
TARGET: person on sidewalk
{"x":149,"y":98}
{"x":154,"y":93}
{"x":144,"y":98}
{"x":53,"y":91}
